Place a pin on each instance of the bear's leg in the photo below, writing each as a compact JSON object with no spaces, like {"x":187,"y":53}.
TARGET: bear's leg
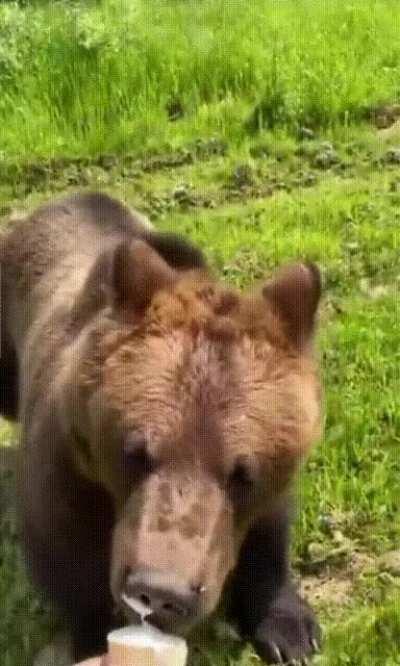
{"x":76,"y":580}
{"x":67,"y":529}
{"x":89,"y":633}
{"x":265,"y":605}
{"x":8,"y":382}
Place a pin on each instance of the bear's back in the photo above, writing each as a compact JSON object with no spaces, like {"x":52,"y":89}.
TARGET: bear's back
{"x":45,"y":259}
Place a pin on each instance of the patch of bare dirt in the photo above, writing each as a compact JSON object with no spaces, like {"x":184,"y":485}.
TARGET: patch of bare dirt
{"x":385,"y":115}
{"x":391,"y":132}
{"x":326,"y":589}
{"x":335,"y":587}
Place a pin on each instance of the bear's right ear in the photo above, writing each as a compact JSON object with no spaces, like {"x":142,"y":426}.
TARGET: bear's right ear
{"x":135,"y":273}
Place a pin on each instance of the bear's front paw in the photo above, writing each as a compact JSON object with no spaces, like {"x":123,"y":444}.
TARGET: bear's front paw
{"x":289,"y":633}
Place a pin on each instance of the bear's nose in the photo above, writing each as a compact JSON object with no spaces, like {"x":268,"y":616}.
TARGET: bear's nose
{"x":162,"y":598}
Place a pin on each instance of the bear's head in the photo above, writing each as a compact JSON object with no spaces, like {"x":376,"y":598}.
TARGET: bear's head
{"x":193,"y":406}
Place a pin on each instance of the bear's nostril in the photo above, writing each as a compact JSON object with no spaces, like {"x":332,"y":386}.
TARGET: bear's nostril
{"x":156,"y":595}
{"x":174,"y":609}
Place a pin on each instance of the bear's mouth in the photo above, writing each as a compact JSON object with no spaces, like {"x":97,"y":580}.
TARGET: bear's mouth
{"x":139,"y":609}
{"x":136,"y":612}
{"x":135,"y":608}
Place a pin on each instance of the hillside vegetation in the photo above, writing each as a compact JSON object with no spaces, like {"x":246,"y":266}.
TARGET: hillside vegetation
{"x":83,"y":78}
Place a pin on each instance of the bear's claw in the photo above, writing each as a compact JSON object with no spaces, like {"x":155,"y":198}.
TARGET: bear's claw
{"x":289,"y":634}
{"x":315,"y":645}
{"x":277,"y":652}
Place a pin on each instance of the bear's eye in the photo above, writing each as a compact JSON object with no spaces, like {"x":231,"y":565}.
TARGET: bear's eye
{"x":137,"y":461}
{"x":241,"y":475}
{"x":243,"y":478}
{"x":82,"y":446}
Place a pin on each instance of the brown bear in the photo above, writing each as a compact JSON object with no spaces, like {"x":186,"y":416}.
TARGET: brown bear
{"x":163,"y":417}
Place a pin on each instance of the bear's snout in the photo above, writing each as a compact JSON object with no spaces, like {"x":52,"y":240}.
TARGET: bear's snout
{"x":163,"y":598}
{"x":173,"y":548}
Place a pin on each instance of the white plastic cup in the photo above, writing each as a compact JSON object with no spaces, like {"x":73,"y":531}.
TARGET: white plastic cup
{"x":144,"y":645}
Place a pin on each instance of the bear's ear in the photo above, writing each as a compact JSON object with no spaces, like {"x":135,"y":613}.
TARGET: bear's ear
{"x":126,"y":276}
{"x":176,"y":251}
{"x":294,"y":296}
{"x":136,"y":273}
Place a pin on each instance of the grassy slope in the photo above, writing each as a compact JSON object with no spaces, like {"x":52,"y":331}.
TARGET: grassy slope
{"x":78,"y":79}
{"x":260,"y":203}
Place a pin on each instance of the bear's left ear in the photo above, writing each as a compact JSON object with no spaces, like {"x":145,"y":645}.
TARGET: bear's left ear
{"x":294,"y":295}
{"x":137,"y":273}
{"x":124,"y":277}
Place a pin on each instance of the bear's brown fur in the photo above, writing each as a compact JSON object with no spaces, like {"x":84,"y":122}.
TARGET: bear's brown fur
{"x":163,"y":417}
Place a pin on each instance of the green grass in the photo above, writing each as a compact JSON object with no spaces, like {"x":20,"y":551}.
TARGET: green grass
{"x":78,"y":81}
{"x":350,"y":225}
{"x":369,"y":636}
